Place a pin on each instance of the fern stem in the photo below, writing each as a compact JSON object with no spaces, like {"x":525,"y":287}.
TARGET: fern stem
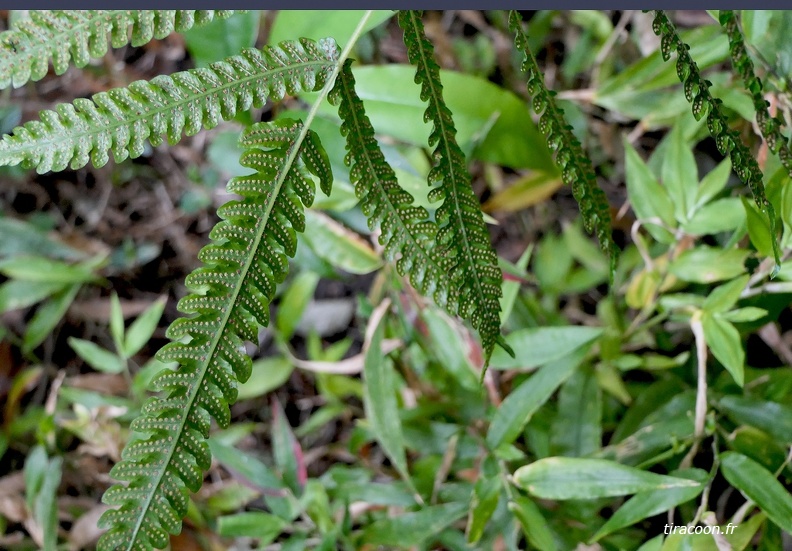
{"x":769,"y":126}
{"x":697,"y":92}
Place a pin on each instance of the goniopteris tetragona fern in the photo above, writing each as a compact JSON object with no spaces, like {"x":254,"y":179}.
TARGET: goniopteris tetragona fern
{"x":576,"y":168}
{"x":122,"y":119}
{"x":79,"y":35}
{"x":463,"y":248}
{"x":232,"y":292}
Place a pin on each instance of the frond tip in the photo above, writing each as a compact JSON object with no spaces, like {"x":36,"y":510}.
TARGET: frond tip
{"x":231,"y":294}
{"x":463,"y":248}
{"x":77,"y":36}
{"x":121,"y":120}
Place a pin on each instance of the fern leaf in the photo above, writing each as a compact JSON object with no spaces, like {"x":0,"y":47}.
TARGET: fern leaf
{"x":407,"y":233}
{"x":230,"y":299}
{"x":576,"y":168}
{"x":121,"y":120}
{"x":463,"y":247}
{"x":768,"y":125}
{"x":77,"y":36}
{"x":697,"y":92}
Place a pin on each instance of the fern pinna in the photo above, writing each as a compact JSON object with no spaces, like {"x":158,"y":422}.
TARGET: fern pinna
{"x":697,"y":92}
{"x":79,"y":35}
{"x":121,"y":120}
{"x":232,"y":292}
{"x":576,"y":168}
{"x":463,"y":248}
{"x":407,"y":232}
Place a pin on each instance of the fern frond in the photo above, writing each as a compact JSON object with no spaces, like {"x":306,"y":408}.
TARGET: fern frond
{"x":407,"y":233}
{"x":230,"y":299}
{"x":463,"y":247}
{"x":121,"y":120}
{"x":576,"y":168}
{"x":77,"y":36}
{"x":697,"y":92}
{"x":768,"y":125}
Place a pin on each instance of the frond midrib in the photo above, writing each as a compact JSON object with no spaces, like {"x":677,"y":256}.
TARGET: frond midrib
{"x":453,"y":194}
{"x":76,"y":136}
{"x":196,"y":387}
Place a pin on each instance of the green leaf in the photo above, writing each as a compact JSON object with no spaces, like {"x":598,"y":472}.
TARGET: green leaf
{"x":415,"y":528}
{"x":450,"y":348}
{"x":563,"y":478}
{"x":758,"y":228}
{"x":223,"y":38}
{"x":266,"y":375}
{"x":44,"y":270}
{"x":42,"y":478}
{"x":19,"y":293}
{"x":648,"y":504}
{"x":680,"y":174}
{"x":708,"y":264}
{"x":744,"y":315}
{"x":379,"y":398}
{"x":47,"y":317}
{"x":726,"y":345}
{"x":713,"y":182}
{"x":534,"y":525}
{"x":486,"y":495}
{"x":116,"y":322}
{"x":23,"y":238}
{"x":772,"y":417}
{"x":139,"y":333}
{"x":649,"y":199}
{"x":262,"y":526}
{"x":721,"y":215}
{"x":725,"y":296}
{"x":577,"y":427}
{"x":338,"y":245}
{"x":760,"y":486}
{"x":537,"y":346}
{"x":294,"y":301}
{"x":316,"y":24}
{"x":97,"y":357}
{"x":521,"y":403}
{"x":286,"y":450}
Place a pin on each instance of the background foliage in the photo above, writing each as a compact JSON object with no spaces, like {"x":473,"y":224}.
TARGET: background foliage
{"x":653,"y":393}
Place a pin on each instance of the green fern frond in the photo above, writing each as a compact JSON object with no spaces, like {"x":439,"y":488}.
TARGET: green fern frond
{"x":230,"y":299}
{"x":576,"y":168}
{"x":463,"y":247}
{"x":768,"y":125}
{"x":697,"y":92}
{"x":77,"y":36}
{"x":121,"y":120}
{"x":407,"y":233}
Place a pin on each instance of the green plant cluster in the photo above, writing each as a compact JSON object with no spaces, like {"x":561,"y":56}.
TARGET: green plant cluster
{"x":626,"y":392}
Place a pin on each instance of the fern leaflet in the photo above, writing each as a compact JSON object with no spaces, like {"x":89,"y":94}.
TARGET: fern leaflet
{"x":79,"y":35}
{"x":697,"y":92}
{"x":769,"y":126}
{"x":231,"y":294}
{"x":407,"y":231}
{"x":576,"y":168}
{"x":463,"y":248}
{"x":121,"y":120}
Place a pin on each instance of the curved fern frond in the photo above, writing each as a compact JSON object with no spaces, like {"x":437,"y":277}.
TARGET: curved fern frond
{"x":728,"y":141}
{"x":768,"y":125}
{"x":463,"y":247}
{"x":230,"y":299}
{"x":576,"y":168}
{"x":77,"y":36}
{"x":407,"y":233}
{"x":121,"y":120}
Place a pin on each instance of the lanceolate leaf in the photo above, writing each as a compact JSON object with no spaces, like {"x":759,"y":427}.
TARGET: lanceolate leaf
{"x":407,"y":233}
{"x":122,"y":119}
{"x":576,"y":168}
{"x":80,"y":35}
{"x":231,"y":294}
{"x":463,"y":248}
